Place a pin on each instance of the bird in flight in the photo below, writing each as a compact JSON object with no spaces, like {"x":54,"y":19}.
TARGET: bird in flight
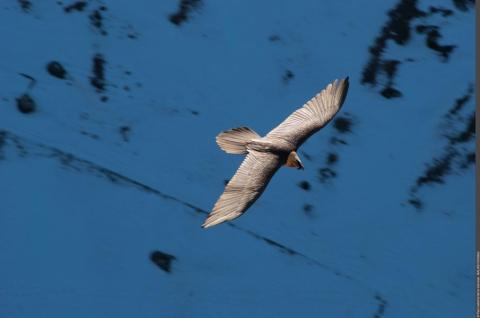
{"x":265,"y":155}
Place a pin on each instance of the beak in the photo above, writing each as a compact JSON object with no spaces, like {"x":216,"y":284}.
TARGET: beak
{"x":300,"y":167}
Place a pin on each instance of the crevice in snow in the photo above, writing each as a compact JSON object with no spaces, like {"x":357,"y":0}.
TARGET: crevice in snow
{"x":81,"y":165}
{"x":458,"y":153}
{"x":382,"y":305}
{"x":398,"y":29}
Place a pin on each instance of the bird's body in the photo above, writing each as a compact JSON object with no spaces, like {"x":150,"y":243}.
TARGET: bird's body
{"x":265,"y":155}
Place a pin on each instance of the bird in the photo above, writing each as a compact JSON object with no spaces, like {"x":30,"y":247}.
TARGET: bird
{"x":265,"y":155}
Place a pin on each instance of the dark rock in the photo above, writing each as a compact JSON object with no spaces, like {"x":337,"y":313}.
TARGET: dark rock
{"x":457,"y":155}
{"x":397,"y":29}
{"x":467,"y":134}
{"x":382,"y":305}
{"x":26,"y":104}
{"x":274,"y":38}
{"x":416,"y":203}
{"x":342,"y":124}
{"x":307,"y":208}
{"x":464,"y":5}
{"x":96,"y":19}
{"x":125,"y":133}
{"x":332,"y":158}
{"x":433,"y":36}
{"x":56,"y":69}
{"x":184,"y":9}
{"x":76,"y":6}
{"x":305,"y":185}
{"x":98,"y":69}
{"x":444,"y":12}
{"x":390,"y":92}
{"x":325,"y":174}
{"x":91,"y":135}
{"x":435,"y":172}
{"x":26,"y":5}
{"x":162,"y":260}
{"x":390,"y":68}
{"x":468,"y":160}
{"x":337,"y":141}
{"x":3,"y":137}
{"x":460,"y":102}
{"x":287,"y":76}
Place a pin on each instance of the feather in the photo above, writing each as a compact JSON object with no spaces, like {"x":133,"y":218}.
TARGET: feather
{"x":235,"y":140}
{"x":314,"y":115}
{"x":245,"y":187}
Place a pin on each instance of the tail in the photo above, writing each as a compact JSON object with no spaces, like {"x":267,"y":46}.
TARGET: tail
{"x":235,"y":140}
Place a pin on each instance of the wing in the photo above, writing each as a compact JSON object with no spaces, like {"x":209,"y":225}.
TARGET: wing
{"x":315,"y":114}
{"x":245,"y":187}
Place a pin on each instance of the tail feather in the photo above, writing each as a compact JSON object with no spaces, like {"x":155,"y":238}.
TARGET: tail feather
{"x":235,"y":140}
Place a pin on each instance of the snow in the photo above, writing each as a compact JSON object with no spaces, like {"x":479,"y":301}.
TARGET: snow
{"x":83,"y":205}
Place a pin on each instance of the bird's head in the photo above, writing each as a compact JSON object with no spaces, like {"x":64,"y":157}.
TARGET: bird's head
{"x":294,"y":161}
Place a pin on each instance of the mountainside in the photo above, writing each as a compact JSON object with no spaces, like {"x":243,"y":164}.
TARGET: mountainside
{"x":108,"y":161}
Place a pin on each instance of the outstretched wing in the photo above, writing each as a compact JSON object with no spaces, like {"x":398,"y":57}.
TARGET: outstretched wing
{"x":315,"y":114}
{"x":245,"y":187}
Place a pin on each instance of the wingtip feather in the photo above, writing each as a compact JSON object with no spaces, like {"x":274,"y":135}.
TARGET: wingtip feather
{"x":212,"y":220}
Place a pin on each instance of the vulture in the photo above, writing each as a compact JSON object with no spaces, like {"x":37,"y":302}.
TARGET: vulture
{"x":265,"y":155}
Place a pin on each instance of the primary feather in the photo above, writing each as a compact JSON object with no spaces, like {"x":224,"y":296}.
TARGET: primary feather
{"x":314,"y":115}
{"x":245,"y":187}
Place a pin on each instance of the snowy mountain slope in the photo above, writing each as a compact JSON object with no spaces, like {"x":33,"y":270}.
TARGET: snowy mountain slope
{"x":95,"y":239}
{"x":147,"y":88}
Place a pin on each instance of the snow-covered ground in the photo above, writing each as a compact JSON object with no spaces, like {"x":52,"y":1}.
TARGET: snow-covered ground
{"x":105,"y":184}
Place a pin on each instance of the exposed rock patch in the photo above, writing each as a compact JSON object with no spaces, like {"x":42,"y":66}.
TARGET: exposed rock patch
{"x":162,"y":260}
{"x":184,"y":10}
